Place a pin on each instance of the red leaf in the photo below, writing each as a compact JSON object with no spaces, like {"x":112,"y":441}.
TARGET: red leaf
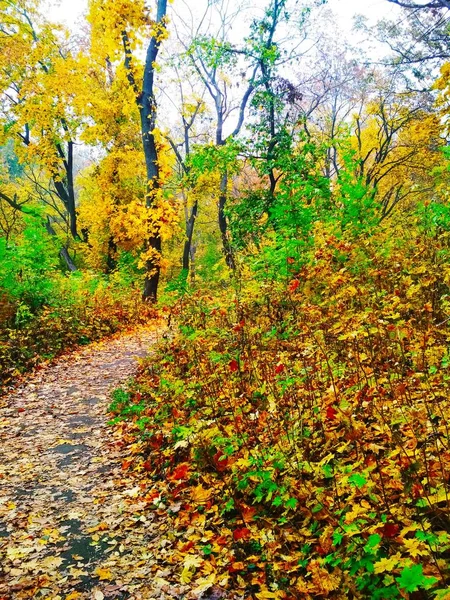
{"x":239,"y":326}
{"x":241,"y":533}
{"x":147,"y":465}
{"x":390,"y":530}
{"x":279,"y":368}
{"x":234,"y":365}
{"x":331,"y":413}
{"x":156,"y":441}
{"x":294,"y":285}
{"x":187,"y":546}
{"x":220,"y":461}
{"x":181,"y":472}
{"x":290,"y":260}
{"x":20,"y":410}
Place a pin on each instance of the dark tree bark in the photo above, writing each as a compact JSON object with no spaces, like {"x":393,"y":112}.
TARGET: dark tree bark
{"x":190,"y":223}
{"x":63,"y":180}
{"x":223,"y":224}
{"x":63,"y":253}
{"x":65,"y":187}
{"x":111,"y":262}
{"x":147,"y":108}
{"x":190,"y":220}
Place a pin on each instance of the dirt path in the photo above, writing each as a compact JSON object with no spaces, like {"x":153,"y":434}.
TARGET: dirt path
{"x":71,"y":524}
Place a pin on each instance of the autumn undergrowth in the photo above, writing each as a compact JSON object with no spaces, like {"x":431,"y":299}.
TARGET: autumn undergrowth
{"x":47,"y":315}
{"x":303,"y":422}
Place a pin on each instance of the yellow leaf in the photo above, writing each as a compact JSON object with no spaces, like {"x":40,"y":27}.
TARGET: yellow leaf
{"x":416,"y":547}
{"x":386,"y":564}
{"x":51,"y":562}
{"x":103,"y":574}
{"x":267,"y":595}
{"x":14,"y":553}
{"x":186,"y":575}
{"x":440,"y":496}
{"x":192,"y":562}
{"x":100,"y":527}
{"x":204,"y":583}
{"x":200,"y":495}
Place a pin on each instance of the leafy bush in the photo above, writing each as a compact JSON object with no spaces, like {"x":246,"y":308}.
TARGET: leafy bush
{"x":81,"y":308}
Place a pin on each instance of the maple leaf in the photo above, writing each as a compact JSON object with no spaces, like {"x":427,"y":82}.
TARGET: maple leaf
{"x":389,"y":530}
{"x":200,"y":495}
{"x":182,"y":472}
{"x":386,"y":564}
{"x":186,"y":575}
{"x":103,"y":574}
{"x":220,"y":461}
{"x":52,"y":562}
{"x":412,"y":578}
{"x":279,"y":368}
{"x":241,"y":533}
{"x":415,"y":547}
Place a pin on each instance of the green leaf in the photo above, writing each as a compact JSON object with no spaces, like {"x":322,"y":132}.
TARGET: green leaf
{"x":372,"y":543}
{"x":337,"y":538}
{"x":357,"y":480}
{"x":291,"y":503}
{"x":327,"y":471}
{"x":412,"y":578}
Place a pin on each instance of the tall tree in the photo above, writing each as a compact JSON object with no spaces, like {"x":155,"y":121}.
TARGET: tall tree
{"x":148,"y":111}
{"x":124,"y":27}
{"x":36,"y":74}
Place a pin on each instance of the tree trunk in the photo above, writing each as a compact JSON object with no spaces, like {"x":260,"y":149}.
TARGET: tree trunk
{"x":189,"y":233}
{"x":111,"y":262}
{"x":148,"y":120}
{"x":151,"y":282}
{"x":223,"y":225}
{"x":63,"y":253}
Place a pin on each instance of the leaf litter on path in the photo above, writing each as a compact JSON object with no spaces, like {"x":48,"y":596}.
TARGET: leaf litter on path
{"x":72,"y":522}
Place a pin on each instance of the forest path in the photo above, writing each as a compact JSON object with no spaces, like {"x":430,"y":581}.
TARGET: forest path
{"x":69,"y":515}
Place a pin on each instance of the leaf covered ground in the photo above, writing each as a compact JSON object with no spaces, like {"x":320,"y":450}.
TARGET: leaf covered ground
{"x":298,"y":433}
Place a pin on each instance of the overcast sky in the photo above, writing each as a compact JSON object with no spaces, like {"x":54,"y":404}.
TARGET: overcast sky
{"x":69,"y":11}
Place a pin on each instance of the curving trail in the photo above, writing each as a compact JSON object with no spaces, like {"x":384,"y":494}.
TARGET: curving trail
{"x":72,"y":523}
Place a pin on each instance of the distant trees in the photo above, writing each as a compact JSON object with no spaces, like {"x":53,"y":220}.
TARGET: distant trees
{"x":213,"y":137}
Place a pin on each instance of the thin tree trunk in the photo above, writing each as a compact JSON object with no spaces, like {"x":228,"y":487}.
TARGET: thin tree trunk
{"x":63,"y":253}
{"x":223,"y":225}
{"x":111,"y":262}
{"x":189,"y":233}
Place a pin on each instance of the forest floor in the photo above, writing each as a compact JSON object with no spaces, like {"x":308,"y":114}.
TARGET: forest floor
{"x":72,"y":523}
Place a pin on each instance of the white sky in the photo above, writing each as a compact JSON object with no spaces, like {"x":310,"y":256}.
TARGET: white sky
{"x":69,"y":11}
